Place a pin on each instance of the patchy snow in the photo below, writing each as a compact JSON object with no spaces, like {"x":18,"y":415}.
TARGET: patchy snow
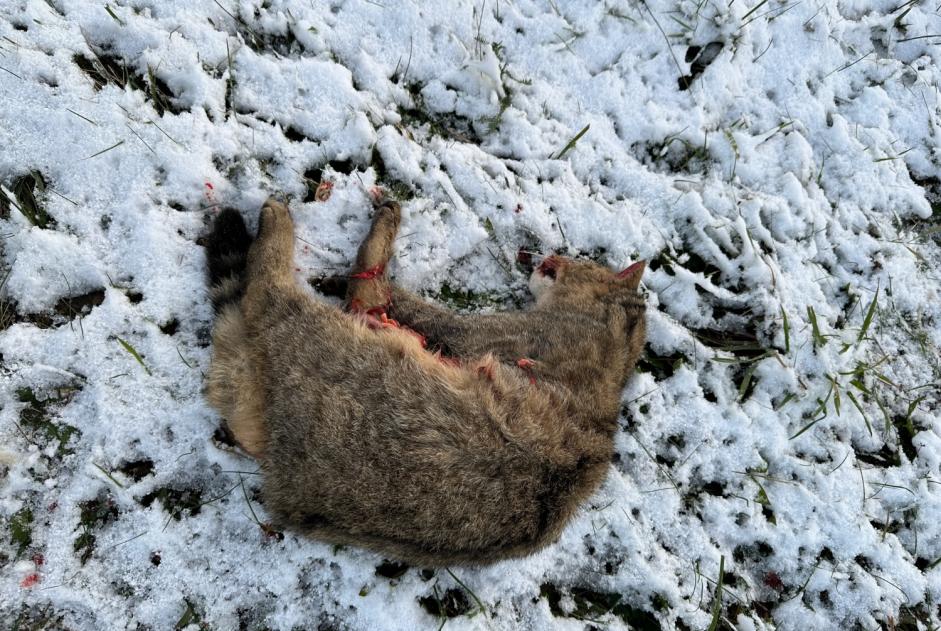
{"x":772,"y":425}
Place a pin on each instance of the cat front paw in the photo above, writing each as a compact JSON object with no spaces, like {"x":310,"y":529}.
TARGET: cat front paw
{"x":274,"y":215}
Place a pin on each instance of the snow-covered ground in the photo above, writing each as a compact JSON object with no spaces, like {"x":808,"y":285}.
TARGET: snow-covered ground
{"x":776,"y":162}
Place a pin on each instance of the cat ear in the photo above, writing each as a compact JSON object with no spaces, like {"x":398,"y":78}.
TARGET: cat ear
{"x":631,"y":274}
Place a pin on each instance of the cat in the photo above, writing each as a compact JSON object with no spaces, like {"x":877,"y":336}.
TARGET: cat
{"x":429,"y":436}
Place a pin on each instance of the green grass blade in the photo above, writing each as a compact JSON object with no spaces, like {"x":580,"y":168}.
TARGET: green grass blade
{"x":753,"y":9}
{"x":717,"y":603}
{"x":130,"y":349}
{"x":746,"y":380}
{"x":572,"y":142}
{"x":836,"y":394}
{"x":852,"y":398}
{"x":107,"y":474}
{"x":790,"y":397}
{"x":819,"y":339}
{"x":114,"y":15}
{"x":806,"y":427}
{"x":114,"y":146}
{"x":469,"y":591}
{"x":870,"y":312}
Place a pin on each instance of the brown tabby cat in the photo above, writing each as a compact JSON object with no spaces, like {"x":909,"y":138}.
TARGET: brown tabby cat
{"x":367,"y":437}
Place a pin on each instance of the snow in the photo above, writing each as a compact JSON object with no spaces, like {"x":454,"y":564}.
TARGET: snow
{"x":796,"y":179}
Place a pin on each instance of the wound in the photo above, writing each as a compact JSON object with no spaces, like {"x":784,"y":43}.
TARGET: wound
{"x":371,"y":273}
{"x":324,"y":189}
{"x":548,"y":267}
{"x":377,"y":318}
{"x":526,"y":365}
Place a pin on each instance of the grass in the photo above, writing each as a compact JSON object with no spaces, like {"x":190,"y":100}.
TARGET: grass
{"x":93,"y":515}
{"x":268,"y":530}
{"x":108,"y":475}
{"x":493,"y":122}
{"x":35,"y":617}
{"x":717,"y":602}
{"x":571,"y":143}
{"x":735,"y":154}
{"x":176,"y":501}
{"x":103,"y":69}
{"x":36,"y":419}
{"x":114,"y":15}
{"x":452,"y":603}
{"x":683,"y":83}
{"x":394,"y":187}
{"x":862,"y":390}
{"x":660,"y":366}
{"x":27,"y":197}
{"x":191,"y":616}
{"x":677,"y":154}
{"x":133,"y":353}
{"x":467,"y":300}
{"x":449,"y":126}
{"x":480,"y":605}
{"x":21,"y":530}
{"x":818,"y":338}
{"x":867,"y":320}
{"x":281,"y":43}
{"x":866,"y":383}
{"x":67,"y":309}
{"x":595,"y":606}
{"x":105,"y":150}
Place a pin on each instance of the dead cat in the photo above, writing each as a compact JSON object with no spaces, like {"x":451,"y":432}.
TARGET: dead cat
{"x":429,"y":436}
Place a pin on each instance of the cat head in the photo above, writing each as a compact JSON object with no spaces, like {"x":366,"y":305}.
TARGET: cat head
{"x":558,"y":279}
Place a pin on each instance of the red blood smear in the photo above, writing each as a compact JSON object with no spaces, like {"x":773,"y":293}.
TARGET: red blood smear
{"x":371,"y":273}
{"x":527,"y":366}
{"x":30,"y":580}
{"x":209,"y":186}
{"x":549,"y":266}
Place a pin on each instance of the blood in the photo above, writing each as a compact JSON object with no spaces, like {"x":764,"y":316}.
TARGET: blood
{"x":30,"y":580}
{"x":549,"y":267}
{"x":210,"y":195}
{"x":526,"y":365}
{"x":324,"y":189}
{"x":371,"y":273}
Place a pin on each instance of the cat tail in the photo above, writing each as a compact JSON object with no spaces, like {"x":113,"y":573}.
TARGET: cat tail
{"x":226,"y":255}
